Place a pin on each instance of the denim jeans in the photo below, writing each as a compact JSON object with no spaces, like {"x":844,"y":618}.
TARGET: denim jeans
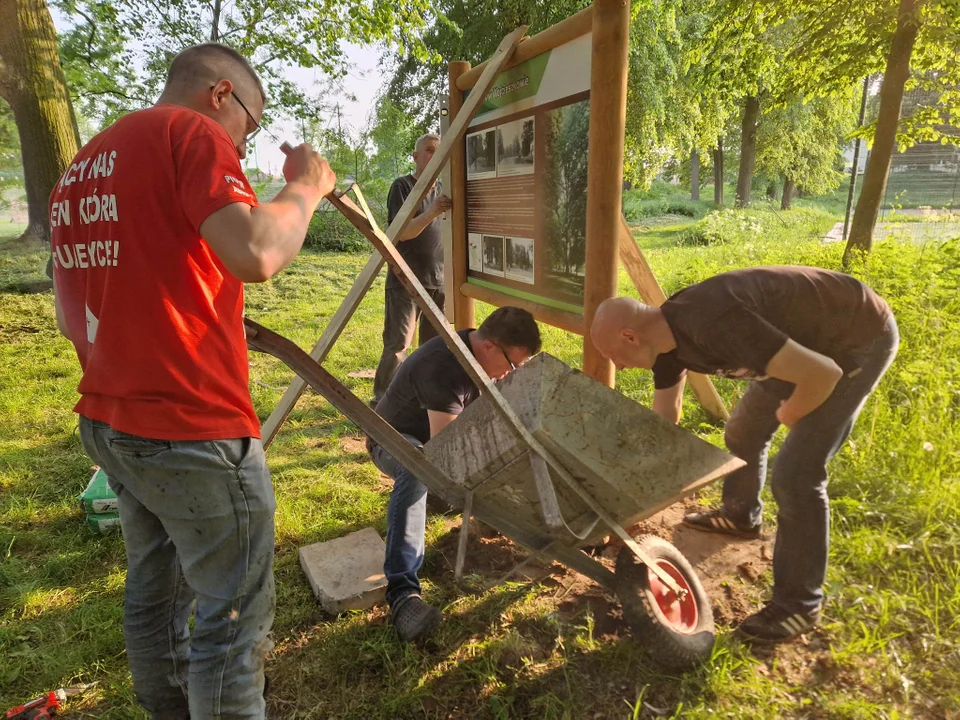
{"x":799,"y":480}
{"x":406,"y":524}
{"x":400,"y":316}
{"x":197,"y":521}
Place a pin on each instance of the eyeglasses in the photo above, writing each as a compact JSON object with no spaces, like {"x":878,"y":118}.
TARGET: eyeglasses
{"x":249,"y":138}
{"x":506,"y":357}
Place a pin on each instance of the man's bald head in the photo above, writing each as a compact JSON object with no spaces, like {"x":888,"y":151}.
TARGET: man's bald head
{"x":626,"y":332}
{"x":208,"y":63}
{"x":217,"y":81}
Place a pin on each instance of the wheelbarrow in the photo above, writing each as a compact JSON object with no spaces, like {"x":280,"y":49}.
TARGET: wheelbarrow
{"x":612,"y":464}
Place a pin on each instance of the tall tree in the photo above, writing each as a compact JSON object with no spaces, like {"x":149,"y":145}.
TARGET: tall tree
{"x":885,"y":137}
{"x":802,"y":142}
{"x":840,"y":43}
{"x":32,"y":83}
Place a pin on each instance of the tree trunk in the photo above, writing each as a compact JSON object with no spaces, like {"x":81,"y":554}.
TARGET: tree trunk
{"x":215,"y":26}
{"x":695,"y":175}
{"x":32,"y":83}
{"x":718,"y":173}
{"x":787,"y":201}
{"x":748,"y":150}
{"x":884,"y":139}
{"x":771,"y":190}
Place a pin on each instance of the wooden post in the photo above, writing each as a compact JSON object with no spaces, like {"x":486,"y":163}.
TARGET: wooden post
{"x":608,"y":108}
{"x":463,"y":309}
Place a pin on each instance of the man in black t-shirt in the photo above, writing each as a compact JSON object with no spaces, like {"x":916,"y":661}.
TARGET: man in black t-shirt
{"x":816,"y":343}
{"x":428,"y":392}
{"x":421,"y":245}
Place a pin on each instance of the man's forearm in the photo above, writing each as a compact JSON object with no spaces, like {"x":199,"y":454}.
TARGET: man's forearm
{"x":416,"y":226}
{"x":280,"y":226}
{"x":806,"y":398}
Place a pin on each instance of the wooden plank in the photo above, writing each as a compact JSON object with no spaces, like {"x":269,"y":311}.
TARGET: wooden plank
{"x":554,"y":36}
{"x":446,"y":225}
{"x":464,"y":315}
{"x":457,"y":129}
{"x":651,"y":293}
{"x":562,"y":319}
{"x":330,"y":333}
{"x":608,"y":116}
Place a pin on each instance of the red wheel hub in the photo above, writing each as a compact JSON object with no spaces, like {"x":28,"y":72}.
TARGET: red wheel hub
{"x":681,"y":615}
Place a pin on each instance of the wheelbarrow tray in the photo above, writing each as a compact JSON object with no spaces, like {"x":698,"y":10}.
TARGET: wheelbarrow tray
{"x":633,"y":462}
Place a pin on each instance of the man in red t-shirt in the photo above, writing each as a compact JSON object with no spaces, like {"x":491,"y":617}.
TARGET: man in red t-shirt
{"x":154,"y":231}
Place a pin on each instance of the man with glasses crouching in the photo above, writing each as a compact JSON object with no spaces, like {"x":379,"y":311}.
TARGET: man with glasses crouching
{"x":428,"y":392}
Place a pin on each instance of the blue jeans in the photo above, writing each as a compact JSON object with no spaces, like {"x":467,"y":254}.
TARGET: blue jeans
{"x":406,"y":524}
{"x":799,"y":481}
{"x":197,"y":520}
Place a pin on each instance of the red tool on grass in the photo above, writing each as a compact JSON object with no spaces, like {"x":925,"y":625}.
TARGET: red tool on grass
{"x":45,"y":706}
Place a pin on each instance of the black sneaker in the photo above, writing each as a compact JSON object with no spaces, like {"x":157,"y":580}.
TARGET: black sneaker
{"x":717,"y":521}
{"x":774,"y":625}
{"x":414,"y":619}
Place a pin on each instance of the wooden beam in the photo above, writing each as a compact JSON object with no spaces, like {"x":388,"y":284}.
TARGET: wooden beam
{"x":464,"y":315}
{"x":330,"y":334}
{"x":457,"y":129}
{"x":571,"y":322}
{"x":554,"y":36}
{"x":446,"y":223}
{"x":608,"y":114}
{"x":652,"y":294}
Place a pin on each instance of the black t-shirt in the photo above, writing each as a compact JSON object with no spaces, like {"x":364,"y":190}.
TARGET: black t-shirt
{"x":424,"y":253}
{"x":430,"y":379}
{"x":732,"y":324}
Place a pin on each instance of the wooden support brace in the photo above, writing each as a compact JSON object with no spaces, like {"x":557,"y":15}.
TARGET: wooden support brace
{"x":464,"y":537}
{"x":652,"y":294}
{"x":331,"y":332}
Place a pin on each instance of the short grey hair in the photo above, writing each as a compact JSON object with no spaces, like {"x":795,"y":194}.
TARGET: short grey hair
{"x":424,"y":138}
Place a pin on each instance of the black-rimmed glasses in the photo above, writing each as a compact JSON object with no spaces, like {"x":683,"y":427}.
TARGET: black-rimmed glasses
{"x":506,"y":357}
{"x":250,"y":136}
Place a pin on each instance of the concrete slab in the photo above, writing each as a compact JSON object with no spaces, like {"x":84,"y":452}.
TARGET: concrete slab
{"x":632,"y":461}
{"x":346,"y":573}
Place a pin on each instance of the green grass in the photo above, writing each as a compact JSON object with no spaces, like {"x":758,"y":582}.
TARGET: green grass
{"x":890,"y":648}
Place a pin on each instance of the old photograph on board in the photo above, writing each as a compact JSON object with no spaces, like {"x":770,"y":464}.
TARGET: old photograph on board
{"x":493,"y":255}
{"x":519,"y":253}
{"x":475,"y":245}
{"x":482,"y":155}
{"x":565,"y":131}
{"x":515,"y":147}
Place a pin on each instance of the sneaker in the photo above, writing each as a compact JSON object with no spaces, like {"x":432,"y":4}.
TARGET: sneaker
{"x":774,"y":625}
{"x":413,"y":618}
{"x":718,"y":522}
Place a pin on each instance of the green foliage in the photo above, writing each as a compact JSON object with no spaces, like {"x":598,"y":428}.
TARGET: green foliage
{"x":723,"y":227}
{"x":330,"y":231}
{"x":11,"y":167}
{"x":803,"y":140}
{"x":109,"y":41}
{"x":662,"y":199}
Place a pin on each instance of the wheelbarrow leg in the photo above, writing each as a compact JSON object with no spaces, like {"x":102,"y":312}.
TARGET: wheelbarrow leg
{"x":464,"y":536}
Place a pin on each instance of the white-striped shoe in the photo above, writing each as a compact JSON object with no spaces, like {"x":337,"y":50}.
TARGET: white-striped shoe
{"x":775,"y":625}
{"x":717,"y":521}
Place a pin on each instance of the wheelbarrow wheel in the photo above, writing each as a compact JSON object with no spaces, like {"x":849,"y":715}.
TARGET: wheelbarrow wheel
{"x":677,"y":633}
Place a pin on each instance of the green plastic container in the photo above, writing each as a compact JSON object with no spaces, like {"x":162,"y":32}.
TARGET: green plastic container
{"x":98,"y":498}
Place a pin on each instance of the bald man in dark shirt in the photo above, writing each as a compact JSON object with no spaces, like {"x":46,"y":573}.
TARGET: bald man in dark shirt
{"x":814,"y":343}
